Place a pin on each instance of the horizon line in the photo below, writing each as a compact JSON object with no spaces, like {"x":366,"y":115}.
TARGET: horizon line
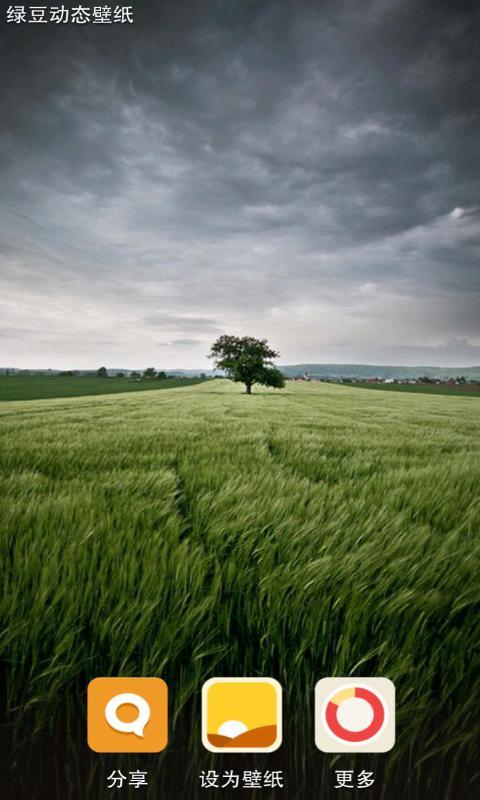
{"x":280,"y":366}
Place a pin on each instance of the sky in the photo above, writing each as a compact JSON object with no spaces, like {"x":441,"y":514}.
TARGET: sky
{"x":308,"y":172}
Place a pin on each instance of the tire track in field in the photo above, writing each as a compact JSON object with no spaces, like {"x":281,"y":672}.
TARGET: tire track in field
{"x":286,"y":467}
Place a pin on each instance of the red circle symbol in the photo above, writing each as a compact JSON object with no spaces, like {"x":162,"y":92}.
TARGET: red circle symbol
{"x":363,"y":735}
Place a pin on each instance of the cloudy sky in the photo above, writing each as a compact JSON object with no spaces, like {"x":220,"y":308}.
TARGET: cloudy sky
{"x":304,"y":171}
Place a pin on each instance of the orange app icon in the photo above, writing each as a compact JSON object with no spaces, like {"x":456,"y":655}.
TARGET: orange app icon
{"x":127,"y":715}
{"x":242,"y":715}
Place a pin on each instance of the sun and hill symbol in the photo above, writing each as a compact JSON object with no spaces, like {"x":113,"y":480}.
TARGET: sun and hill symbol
{"x":242,"y":714}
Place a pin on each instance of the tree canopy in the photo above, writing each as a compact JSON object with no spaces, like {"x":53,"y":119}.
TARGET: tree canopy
{"x":247,"y":360}
{"x":149,"y":373}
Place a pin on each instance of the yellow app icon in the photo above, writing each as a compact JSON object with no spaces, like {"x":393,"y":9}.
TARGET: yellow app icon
{"x":241,"y":715}
{"x":127,"y":715}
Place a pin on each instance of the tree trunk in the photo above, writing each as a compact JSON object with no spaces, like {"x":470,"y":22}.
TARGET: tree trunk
{"x":248,"y":387}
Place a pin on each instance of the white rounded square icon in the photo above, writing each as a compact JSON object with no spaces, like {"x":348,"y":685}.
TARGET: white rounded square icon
{"x":354,"y":715}
{"x":241,"y":715}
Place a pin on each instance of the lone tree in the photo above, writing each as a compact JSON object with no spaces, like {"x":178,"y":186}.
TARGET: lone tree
{"x":247,"y":360}
{"x":102,"y":372}
{"x":149,"y":373}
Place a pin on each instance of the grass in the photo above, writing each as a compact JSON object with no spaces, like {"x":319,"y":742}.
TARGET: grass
{"x":465,"y":390}
{"x":314,"y":532}
{"x":42,"y":387}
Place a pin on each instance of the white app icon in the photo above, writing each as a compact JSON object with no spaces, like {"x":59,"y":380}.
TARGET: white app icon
{"x":355,"y":715}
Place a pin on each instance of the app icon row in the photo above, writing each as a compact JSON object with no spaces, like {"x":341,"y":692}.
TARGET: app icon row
{"x":241,"y":715}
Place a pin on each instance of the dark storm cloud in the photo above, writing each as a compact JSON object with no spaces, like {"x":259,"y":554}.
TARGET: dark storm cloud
{"x":186,"y":342}
{"x":305,"y":171}
{"x":15,"y":333}
{"x":187,"y":323}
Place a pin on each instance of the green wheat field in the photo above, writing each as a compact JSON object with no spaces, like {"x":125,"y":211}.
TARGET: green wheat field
{"x":194,"y":532}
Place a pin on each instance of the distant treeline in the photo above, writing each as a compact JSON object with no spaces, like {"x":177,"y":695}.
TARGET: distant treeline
{"x":150,"y":373}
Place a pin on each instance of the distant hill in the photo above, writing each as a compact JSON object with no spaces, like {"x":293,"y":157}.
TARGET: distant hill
{"x":364,"y":371}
